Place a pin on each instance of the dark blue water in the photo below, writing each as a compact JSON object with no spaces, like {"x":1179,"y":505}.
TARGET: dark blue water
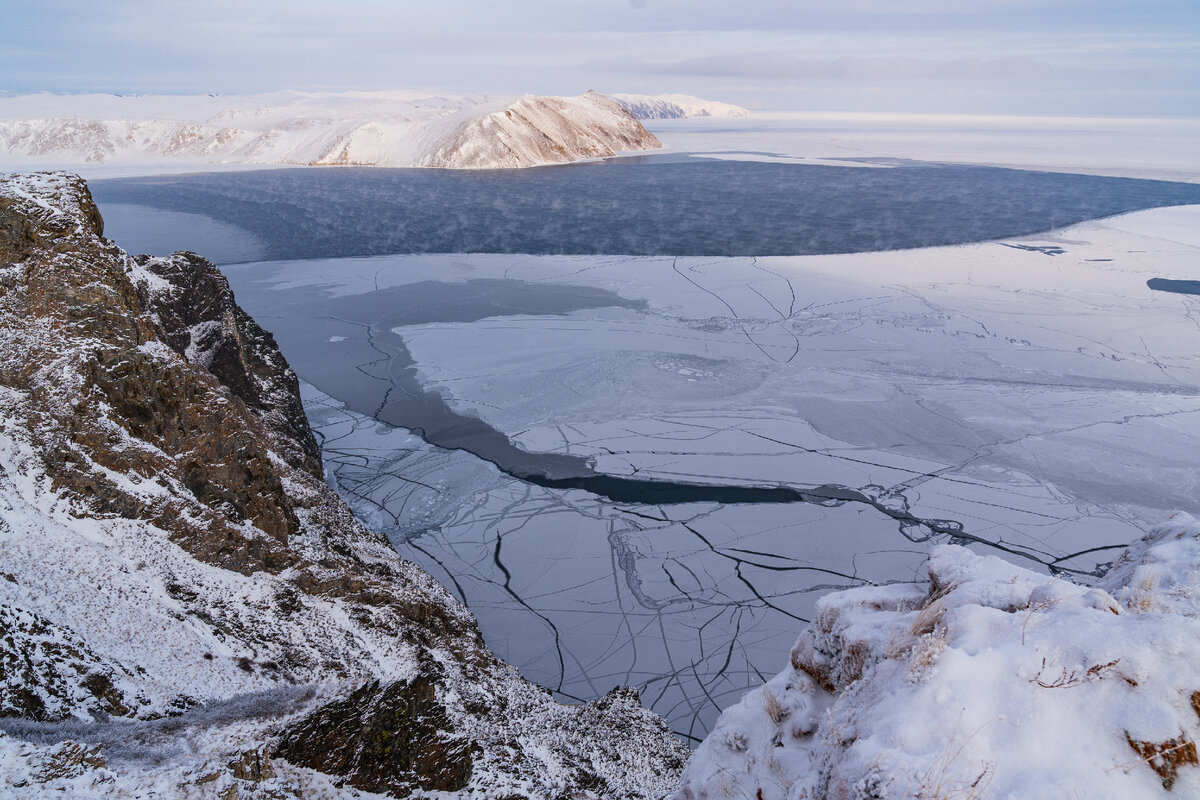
{"x":669,"y":207}
{"x":1178,"y":287}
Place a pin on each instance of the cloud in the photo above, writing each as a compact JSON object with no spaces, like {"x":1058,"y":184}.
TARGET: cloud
{"x":754,"y":51}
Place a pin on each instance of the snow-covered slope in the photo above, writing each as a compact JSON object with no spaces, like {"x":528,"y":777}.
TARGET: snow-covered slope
{"x":543,"y":130}
{"x":992,"y":682}
{"x":376,"y":129}
{"x":676,"y":106}
{"x":180,"y":588}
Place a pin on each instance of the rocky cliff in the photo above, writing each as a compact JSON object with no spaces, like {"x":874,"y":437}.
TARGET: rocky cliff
{"x":185,"y":606}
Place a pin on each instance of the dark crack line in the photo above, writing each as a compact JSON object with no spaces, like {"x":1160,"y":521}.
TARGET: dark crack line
{"x":738,"y":571}
{"x":507,"y":587}
{"x":791,"y":287}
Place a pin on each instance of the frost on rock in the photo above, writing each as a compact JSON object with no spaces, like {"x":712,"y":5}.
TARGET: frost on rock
{"x":994,"y":682}
{"x":41,"y":665}
{"x":179,"y":586}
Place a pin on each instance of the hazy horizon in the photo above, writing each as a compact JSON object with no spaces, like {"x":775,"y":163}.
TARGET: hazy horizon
{"x":1009,"y":57}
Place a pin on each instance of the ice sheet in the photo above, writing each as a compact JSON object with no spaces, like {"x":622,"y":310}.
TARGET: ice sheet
{"x":1033,"y":390}
{"x":1130,"y":147}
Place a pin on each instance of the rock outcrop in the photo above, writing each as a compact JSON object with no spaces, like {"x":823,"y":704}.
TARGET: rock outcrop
{"x":170,"y":555}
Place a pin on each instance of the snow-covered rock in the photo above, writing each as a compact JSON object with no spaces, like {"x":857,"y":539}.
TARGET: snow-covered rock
{"x":676,"y":106}
{"x":367,"y":129}
{"x":992,"y":682}
{"x":180,"y":588}
{"x":543,"y":130}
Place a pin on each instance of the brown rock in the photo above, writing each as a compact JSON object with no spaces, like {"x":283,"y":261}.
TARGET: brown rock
{"x":69,"y":760}
{"x":253,"y":765}
{"x":393,"y":739}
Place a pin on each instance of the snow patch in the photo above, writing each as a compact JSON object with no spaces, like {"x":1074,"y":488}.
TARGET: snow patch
{"x":995,"y":682}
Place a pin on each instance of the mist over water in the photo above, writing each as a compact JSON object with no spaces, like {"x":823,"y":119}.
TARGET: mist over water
{"x":697,"y":207}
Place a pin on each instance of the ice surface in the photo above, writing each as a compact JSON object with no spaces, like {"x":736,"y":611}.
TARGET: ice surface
{"x":170,"y":231}
{"x":1121,"y":146}
{"x":1034,"y":391}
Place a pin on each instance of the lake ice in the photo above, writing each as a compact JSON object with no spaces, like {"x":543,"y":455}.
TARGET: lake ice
{"x":1034,"y":391}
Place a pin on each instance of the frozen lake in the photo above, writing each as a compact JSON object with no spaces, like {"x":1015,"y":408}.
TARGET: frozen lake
{"x":644,"y":469}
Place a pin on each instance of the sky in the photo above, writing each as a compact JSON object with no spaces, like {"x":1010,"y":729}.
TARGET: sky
{"x":1044,"y":57}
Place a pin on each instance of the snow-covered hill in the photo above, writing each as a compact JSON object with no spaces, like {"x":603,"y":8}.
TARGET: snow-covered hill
{"x":542,"y":130}
{"x":186,"y":608}
{"x":992,"y":682}
{"x":676,"y":106}
{"x":370,"y":129}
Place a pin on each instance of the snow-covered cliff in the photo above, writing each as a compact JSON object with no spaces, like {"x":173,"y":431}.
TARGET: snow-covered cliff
{"x":543,"y":130}
{"x":991,"y":682}
{"x":186,"y":608}
{"x":369,"y":129}
{"x":676,"y":106}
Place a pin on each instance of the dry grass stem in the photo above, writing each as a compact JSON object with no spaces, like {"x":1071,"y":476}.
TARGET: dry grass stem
{"x":1065,"y":679}
{"x":1165,"y":758}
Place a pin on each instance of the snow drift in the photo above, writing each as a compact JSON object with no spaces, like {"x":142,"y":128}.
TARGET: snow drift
{"x":991,"y":682}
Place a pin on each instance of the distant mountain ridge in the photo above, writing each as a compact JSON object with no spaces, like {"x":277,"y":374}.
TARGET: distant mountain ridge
{"x":676,"y":106}
{"x":369,"y":129}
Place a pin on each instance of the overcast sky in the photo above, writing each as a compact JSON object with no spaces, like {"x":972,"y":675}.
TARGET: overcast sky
{"x":1093,"y":57}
